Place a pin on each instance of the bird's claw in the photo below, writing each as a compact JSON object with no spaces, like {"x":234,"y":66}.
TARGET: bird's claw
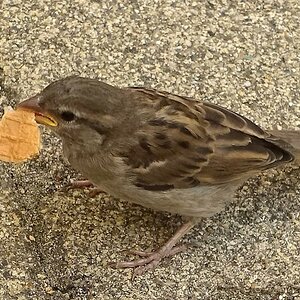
{"x":148,"y":261}
{"x":82,"y":184}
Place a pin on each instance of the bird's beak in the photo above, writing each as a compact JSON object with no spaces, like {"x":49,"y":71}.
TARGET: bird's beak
{"x":41,"y":116}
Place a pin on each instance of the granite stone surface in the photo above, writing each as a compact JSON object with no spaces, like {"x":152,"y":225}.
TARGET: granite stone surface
{"x":245,"y":55}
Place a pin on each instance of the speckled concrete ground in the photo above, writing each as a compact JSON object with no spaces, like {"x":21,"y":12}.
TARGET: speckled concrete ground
{"x":56,"y":244}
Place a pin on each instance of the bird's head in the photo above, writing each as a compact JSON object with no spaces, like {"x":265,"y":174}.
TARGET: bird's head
{"x":80,"y":110}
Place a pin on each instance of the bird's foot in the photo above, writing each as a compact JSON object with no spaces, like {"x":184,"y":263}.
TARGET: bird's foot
{"x":82,"y":184}
{"x":149,"y":260}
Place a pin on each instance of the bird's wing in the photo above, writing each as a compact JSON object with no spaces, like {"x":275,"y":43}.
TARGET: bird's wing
{"x":189,"y":143}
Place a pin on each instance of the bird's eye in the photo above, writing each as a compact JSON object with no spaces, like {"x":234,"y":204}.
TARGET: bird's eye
{"x":67,"y":116}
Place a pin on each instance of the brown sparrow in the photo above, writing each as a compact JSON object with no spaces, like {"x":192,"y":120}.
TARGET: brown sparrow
{"x":157,"y":149}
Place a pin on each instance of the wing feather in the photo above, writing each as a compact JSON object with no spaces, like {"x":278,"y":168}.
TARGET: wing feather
{"x":188,"y":143}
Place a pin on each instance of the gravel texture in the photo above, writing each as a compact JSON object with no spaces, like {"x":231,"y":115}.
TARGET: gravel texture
{"x":56,"y":244}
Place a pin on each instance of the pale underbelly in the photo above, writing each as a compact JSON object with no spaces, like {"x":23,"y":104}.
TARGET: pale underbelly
{"x":203,"y":201}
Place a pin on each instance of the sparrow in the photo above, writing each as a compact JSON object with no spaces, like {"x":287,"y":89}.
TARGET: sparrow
{"x":159,"y":150}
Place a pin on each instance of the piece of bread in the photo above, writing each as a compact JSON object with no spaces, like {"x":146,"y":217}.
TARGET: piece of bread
{"x":19,"y":136}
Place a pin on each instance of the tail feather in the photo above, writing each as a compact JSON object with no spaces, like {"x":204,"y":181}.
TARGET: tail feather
{"x":292,"y":138}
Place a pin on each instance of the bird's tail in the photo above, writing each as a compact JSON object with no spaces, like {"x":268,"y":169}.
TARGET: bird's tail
{"x":292,"y":138}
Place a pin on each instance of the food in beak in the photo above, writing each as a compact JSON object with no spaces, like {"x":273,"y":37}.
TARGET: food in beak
{"x":19,"y":136}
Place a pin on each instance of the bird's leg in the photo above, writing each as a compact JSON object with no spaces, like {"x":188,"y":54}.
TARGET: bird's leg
{"x":82,"y":184}
{"x":151,"y":259}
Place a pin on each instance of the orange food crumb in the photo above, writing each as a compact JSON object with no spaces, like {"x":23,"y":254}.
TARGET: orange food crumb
{"x":19,"y":136}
